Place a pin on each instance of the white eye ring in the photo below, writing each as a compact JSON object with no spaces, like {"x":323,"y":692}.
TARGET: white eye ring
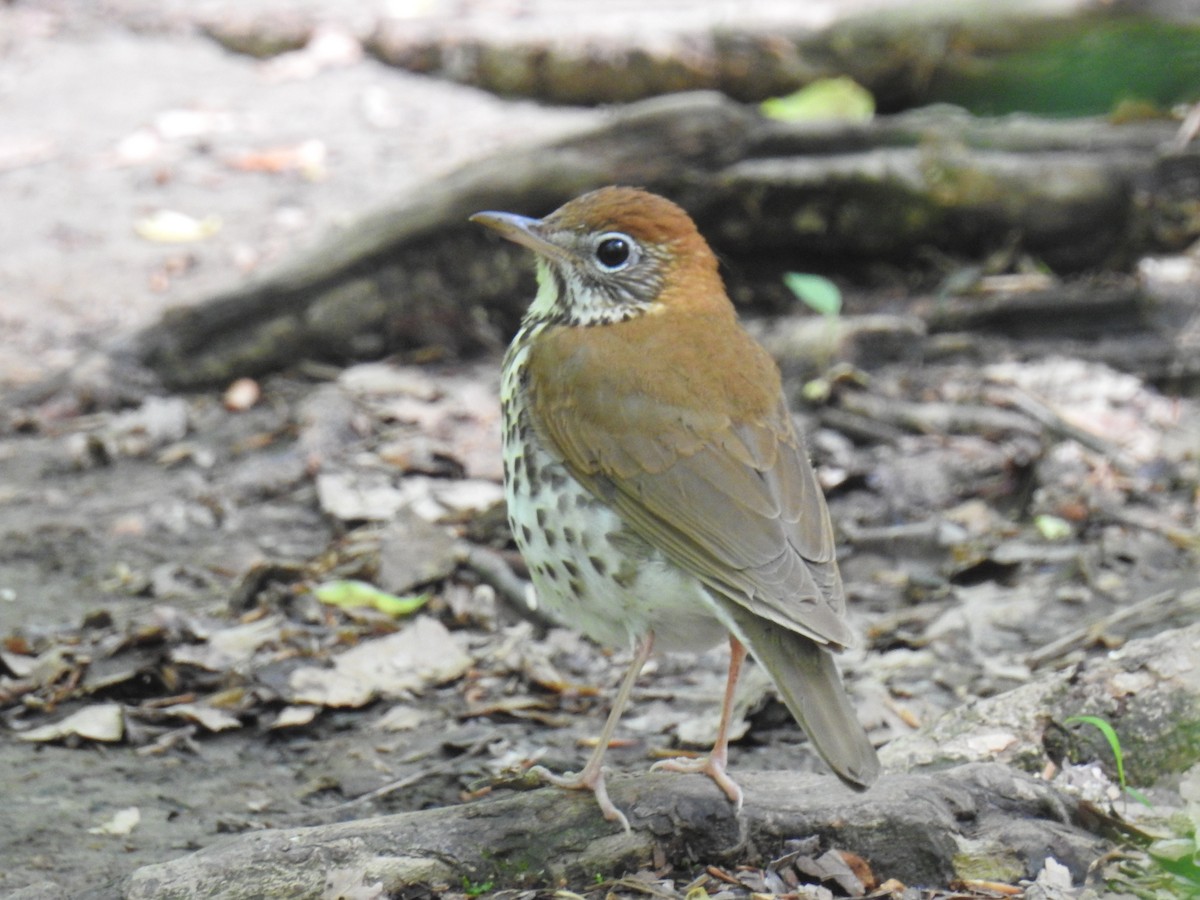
{"x":615,"y":251}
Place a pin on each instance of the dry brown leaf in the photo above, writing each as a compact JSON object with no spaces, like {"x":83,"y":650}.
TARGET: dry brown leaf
{"x":103,"y":722}
{"x":422,"y":654}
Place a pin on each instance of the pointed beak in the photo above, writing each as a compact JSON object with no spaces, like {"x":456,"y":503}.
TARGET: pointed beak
{"x":524,"y":231}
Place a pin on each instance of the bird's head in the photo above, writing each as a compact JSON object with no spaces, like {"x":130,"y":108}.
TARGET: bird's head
{"x":611,"y":255}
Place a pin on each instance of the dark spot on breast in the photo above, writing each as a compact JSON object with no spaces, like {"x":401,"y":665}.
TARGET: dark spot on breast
{"x":572,"y":569}
{"x":626,"y":574}
{"x":570,"y":535}
{"x":598,"y":564}
{"x":526,"y":533}
{"x":576,"y":586}
{"x":551,"y":538}
{"x":514,"y":474}
{"x":541,"y":517}
{"x":550,"y":571}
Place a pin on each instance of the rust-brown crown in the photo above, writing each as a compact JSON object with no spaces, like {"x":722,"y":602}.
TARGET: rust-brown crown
{"x":612,"y":254}
{"x":646,"y":217}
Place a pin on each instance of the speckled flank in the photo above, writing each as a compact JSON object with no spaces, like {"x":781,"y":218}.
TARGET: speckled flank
{"x":564,"y":533}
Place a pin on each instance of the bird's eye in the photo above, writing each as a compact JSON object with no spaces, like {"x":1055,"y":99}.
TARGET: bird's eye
{"x":615,"y":251}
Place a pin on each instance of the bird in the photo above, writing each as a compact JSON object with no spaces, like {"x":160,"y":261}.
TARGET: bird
{"x":657,"y":487}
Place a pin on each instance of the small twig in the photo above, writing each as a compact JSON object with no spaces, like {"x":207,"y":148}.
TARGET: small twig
{"x":1038,"y":410}
{"x":494,"y":571}
{"x":1187,"y":130}
{"x":1157,"y":607}
{"x":932,"y":534}
{"x":409,"y":780}
{"x":1150,"y":521}
{"x":857,"y":427}
{"x":938,"y":418}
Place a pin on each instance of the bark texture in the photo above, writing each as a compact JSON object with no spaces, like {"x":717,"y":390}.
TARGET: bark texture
{"x":850,"y":200}
{"x":956,"y":805}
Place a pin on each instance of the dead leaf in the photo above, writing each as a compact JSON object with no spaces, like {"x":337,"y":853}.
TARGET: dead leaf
{"x":403,"y":718}
{"x":830,"y":866}
{"x":442,"y":500}
{"x":18,"y":665}
{"x":414,"y":552}
{"x":307,"y":158}
{"x":167,"y":226}
{"x":425,"y":653}
{"x":295,"y":716}
{"x":329,"y":687}
{"x":204,"y":715}
{"x":122,"y":823}
{"x":384,"y":379}
{"x":228,"y":647}
{"x":359,"y":496}
{"x":530,"y":708}
{"x":102,"y":722}
{"x":860,"y":867}
{"x":52,"y":665}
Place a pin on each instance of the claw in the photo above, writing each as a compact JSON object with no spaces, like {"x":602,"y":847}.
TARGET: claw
{"x":585,"y":781}
{"x":709,"y":765}
{"x":713,"y":765}
{"x":591,"y":777}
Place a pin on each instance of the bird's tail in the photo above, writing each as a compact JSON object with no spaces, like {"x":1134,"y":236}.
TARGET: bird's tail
{"x":809,"y":684}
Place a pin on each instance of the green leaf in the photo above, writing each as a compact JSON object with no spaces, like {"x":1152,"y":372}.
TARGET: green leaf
{"x":840,"y":98}
{"x":1114,"y":744}
{"x":1052,"y":528}
{"x":348,"y":594}
{"x":817,"y":390}
{"x":475,"y":889}
{"x":818,"y":293}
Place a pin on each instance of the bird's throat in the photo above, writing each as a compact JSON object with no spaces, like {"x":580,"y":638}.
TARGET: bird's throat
{"x":546,"y":306}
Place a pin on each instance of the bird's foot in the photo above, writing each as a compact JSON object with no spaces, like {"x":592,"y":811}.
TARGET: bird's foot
{"x":586,"y":781}
{"x":710,"y":765}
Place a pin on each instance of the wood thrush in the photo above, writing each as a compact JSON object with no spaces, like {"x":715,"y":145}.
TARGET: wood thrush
{"x":656,"y":485}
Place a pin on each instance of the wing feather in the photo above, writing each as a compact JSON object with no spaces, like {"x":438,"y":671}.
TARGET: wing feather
{"x":737,"y":505}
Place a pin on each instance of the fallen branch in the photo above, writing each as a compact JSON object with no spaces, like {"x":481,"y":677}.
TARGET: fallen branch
{"x":1163,"y":606}
{"x":417,"y":278}
{"x":910,"y":827}
{"x":923,"y":827}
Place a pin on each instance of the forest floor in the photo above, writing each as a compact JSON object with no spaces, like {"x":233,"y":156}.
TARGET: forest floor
{"x":140,"y":548}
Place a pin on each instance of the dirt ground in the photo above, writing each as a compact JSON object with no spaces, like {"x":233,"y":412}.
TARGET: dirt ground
{"x":125,"y":534}
{"x":112,"y":112}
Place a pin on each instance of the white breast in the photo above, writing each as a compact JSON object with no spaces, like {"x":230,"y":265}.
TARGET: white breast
{"x":565,"y":536}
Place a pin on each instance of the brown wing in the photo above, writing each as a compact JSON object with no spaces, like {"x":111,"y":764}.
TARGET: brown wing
{"x":737,"y":505}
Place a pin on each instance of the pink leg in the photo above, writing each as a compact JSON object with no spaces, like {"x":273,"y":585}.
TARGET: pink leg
{"x":591,"y":777}
{"x":713,"y":765}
